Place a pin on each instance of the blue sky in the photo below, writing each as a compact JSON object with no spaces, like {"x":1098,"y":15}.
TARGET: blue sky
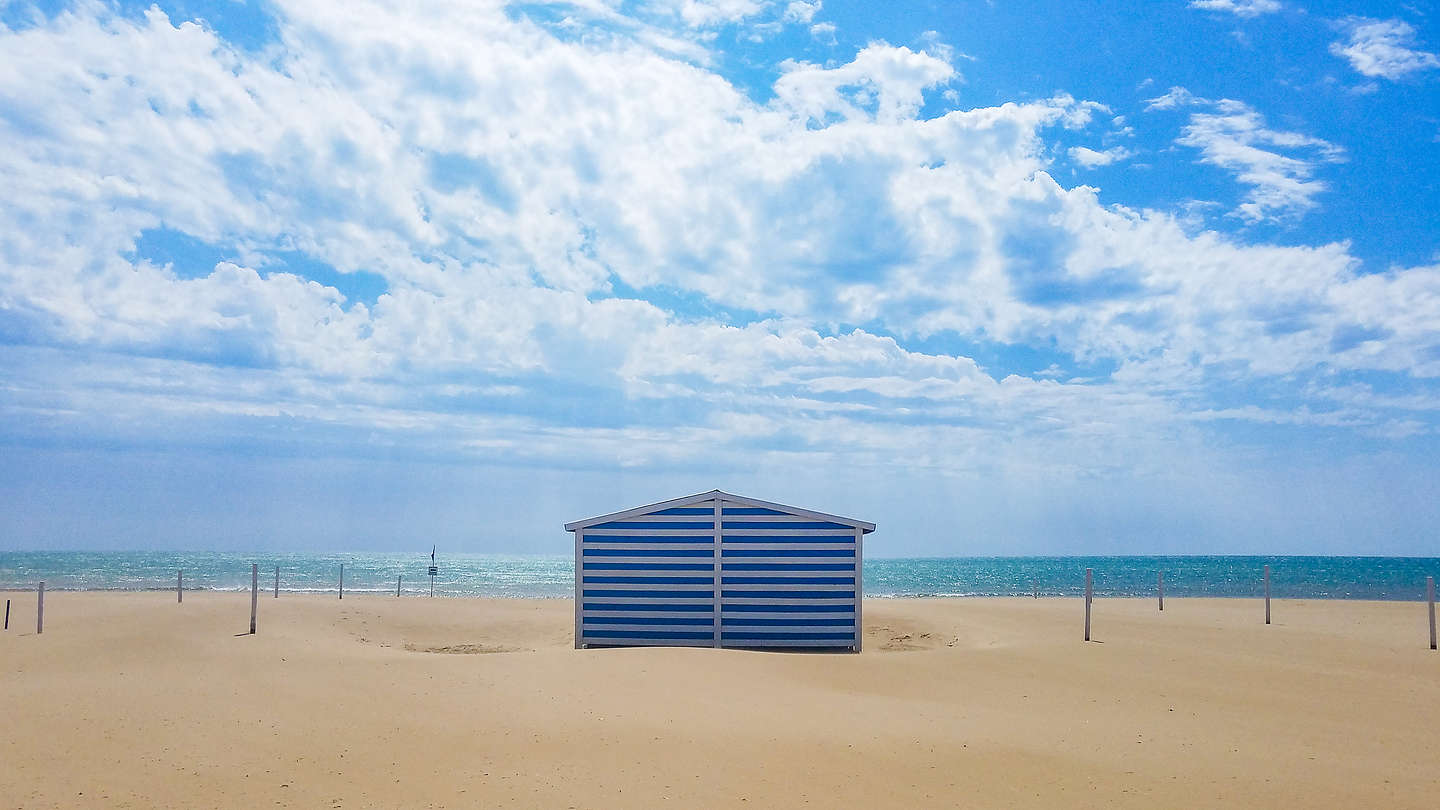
{"x":1001,"y":277}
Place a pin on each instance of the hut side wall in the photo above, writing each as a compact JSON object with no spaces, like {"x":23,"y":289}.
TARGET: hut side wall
{"x":719,"y":573}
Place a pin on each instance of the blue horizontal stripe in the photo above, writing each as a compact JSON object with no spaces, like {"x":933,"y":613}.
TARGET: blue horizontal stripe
{"x":612,"y":593}
{"x":752,"y":510}
{"x":613,"y":538}
{"x":655,"y":581}
{"x":729,"y":566}
{"x":787,"y":552}
{"x":789,"y":622}
{"x":784,"y":538}
{"x":650,"y":552}
{"x":785,"y":580}
{"x":644,"y":634}
{"x":707,"y":607}
{"x":786,"y":609}
{"x":687,"y":510}
{"x":635,"y":524}
{"x":754,"y":636}
{"x":787,"y":594}
{"x":589,"y":620}
{"x":771,"y":524}
{"x":649,"y":566}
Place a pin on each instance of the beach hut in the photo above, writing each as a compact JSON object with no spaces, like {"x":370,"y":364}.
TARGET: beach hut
{"x":718,"y":570}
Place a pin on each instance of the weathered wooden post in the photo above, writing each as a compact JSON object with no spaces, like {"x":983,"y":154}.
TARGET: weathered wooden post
{"x":342,"y":580}
{"x":7,"y":614}
{"x":1429,"y":597}
{"x":254,"y":593}
{"x":277,"y":582}
{"x":40,"y":611}
{"x":1089,"y":590}
{"x":1035,"y":586}
{"x":397,"y":584}
{"x":1160,"y":589}
{"x":179,"y":586}
{"x":1267,"y":594}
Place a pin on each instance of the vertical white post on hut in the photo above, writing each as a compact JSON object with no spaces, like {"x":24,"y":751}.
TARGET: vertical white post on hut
{"x":342,"y":580}
{"x":1160,"y":589}
{"x":277,"y":582}
{"x":40,"y":611}
{"x":717,"y":527}
{"x":1267,"y":594}
{"x":1089,"y":591}
{"x":254,"y":593}
{"x":1430,"y":597}
{"x":579,"y":594}
{"x":179,"y":586}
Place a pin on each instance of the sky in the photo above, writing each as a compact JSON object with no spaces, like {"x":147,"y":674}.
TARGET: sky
{"x":1007,"y":277}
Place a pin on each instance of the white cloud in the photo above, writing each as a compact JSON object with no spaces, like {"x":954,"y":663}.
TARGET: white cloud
{"x":1090,"y":158}
{"x":1278,"y":165}
{"x":801,"y":11}
{"x":1241,"y":8}
{"x":1383,"y":48}
{"x":507,"y":193}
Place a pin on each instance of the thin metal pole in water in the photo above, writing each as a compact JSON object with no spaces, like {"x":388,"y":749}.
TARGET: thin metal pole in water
{"x":277,"y":582}
{"x":179,"y":586}
{"x":1160,"y":589}
{"x":1035,"y":586}
{"x":1267,"y":594}
{"x":1429,"y":597}
{"x":40,"y":612}
{"x":342,"y":580}
{"x":397,"y":585}
{"x":1089,"y":591}
{"x":254,"y":593}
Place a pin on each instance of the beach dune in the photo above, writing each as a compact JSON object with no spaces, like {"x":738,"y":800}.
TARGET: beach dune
{"x":130,"y":700}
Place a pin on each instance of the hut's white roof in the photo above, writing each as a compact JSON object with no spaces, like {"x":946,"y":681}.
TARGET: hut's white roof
{"x":700,"y":497}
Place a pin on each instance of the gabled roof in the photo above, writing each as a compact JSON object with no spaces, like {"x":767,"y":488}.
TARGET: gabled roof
{"x":724,"y":496}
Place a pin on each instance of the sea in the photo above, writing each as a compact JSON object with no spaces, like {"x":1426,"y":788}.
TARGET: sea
{"x":537,"y":576}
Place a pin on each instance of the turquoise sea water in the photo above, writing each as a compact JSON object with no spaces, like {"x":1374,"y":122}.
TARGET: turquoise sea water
{"x":1386,"y":578}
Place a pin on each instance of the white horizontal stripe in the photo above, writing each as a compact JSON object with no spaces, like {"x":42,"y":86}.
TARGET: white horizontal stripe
{"x":787,"y":587}
{"x":793,"y":561}
{"x":730,"y":629}
{"x":704,"y":599}
{"x":702,"y":588}
{"x":755,"y":614}
{"x":655,"y":614}
{"x":647,"y":532}
{"x":648,"y":560}
{"x":787,"y":547}
{"x":728,"y":573}
{"x":768,"y":600}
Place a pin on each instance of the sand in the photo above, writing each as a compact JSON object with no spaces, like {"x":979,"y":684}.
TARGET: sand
{"x":130,"y":700}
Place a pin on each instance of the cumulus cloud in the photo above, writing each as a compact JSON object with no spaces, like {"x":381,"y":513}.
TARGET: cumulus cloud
{"x":594,"y":250}
{"x":1383,"y":48}
{"x":1090,"y":158}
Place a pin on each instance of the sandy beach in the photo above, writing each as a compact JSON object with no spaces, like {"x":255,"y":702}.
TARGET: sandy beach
{"x":130,"y":700}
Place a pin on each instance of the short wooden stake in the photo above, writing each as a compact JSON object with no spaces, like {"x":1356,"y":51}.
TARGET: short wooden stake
{"x":1160,"y":589}
{"x":277,"y":582}
{"x":254,"y":593}
{"x":1035,"y":586}
{"x":1429,"y":597}
{"x":179,"y":586}
{"x":40,"y":611}
{"x":1089,"y":591}
{"x":397,"y":585}
{"x":342,"y":580}
{"x":7,"y":614}
{"x":1267,"y":594}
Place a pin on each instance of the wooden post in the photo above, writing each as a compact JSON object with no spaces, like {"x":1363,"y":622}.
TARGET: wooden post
{"x":397,"y":584}
{"x":254,"y":593}
{"x":1429,"y":597}
{"x":277,"y":582}
{"x":40,"y":611}
{"x":1035,"y":586}
{"x":1089,"y":591}
{"x":7,"y":615}
{"x":179,"y":586}
{"x":1267,"y":594}
{"x":342,"y":580}
{"x":1160,"y":589}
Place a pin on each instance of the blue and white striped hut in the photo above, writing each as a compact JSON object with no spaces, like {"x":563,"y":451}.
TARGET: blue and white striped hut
{"x":720,"y":570}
